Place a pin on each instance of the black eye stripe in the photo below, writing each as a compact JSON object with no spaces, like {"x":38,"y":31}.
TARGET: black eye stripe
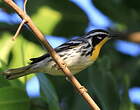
{"x":96,"y":40}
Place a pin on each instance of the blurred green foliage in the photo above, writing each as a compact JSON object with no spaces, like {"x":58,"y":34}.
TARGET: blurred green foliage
{"x":108,"y":80}
{"x":123,"y":12}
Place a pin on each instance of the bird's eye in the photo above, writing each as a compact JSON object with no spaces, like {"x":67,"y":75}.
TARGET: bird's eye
{"x":99,"y":37}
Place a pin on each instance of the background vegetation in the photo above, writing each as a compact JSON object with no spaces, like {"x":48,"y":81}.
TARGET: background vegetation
{"x":108,"y":80}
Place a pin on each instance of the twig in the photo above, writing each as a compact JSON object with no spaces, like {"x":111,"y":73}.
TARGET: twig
{"x":54,"y":55}
{"x":24,"y":6}
{"x":22,"y":23}
{"x":18,"y":30}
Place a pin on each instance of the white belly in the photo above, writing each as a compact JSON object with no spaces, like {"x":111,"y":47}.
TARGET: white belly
{"x":75,"y":63}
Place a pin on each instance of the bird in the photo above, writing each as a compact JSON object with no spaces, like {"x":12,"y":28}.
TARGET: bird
{"x":78,"y":54}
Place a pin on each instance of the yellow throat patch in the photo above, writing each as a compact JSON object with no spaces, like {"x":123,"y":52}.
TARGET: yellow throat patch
{"x":97,"y":49}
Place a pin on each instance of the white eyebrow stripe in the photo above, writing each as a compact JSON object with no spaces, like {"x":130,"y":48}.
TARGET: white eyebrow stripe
{"x":96,"y":33}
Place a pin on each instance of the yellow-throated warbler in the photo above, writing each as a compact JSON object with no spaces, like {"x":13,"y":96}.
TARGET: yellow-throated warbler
{"x":78,"y":54}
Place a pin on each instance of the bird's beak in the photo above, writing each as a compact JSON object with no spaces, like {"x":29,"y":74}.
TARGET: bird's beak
{"x":114,"y":36}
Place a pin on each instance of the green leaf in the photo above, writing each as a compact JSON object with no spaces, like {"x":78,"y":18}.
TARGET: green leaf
{"x":3,"y":82}
{"x":104,"y":85}
{"x":13,"y":83}
{"x":48,"y":92}
{"x":46,"y":19}
{"x":126,"y":104}
{"x":12,"y":98}
{"x":17,"y":83}
{"x":6,"y":45}
{"x":61,"y":18}
{"x":120,"y":10}
{"x":22,"y":51}
{"x":80,"y":104}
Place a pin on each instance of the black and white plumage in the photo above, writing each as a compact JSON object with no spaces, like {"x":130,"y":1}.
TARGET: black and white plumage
{"x":78,"y":54}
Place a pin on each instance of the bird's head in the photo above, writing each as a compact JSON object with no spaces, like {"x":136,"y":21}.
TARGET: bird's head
{"x":97,"y":37}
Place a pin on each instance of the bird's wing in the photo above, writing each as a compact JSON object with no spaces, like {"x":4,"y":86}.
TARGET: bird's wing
{"x":66,"y":46}
{"x":38,"y":59}
{"x":69,"y":45}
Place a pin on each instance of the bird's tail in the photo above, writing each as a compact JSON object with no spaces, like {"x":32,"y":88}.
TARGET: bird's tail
{"x":18,"y":72}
